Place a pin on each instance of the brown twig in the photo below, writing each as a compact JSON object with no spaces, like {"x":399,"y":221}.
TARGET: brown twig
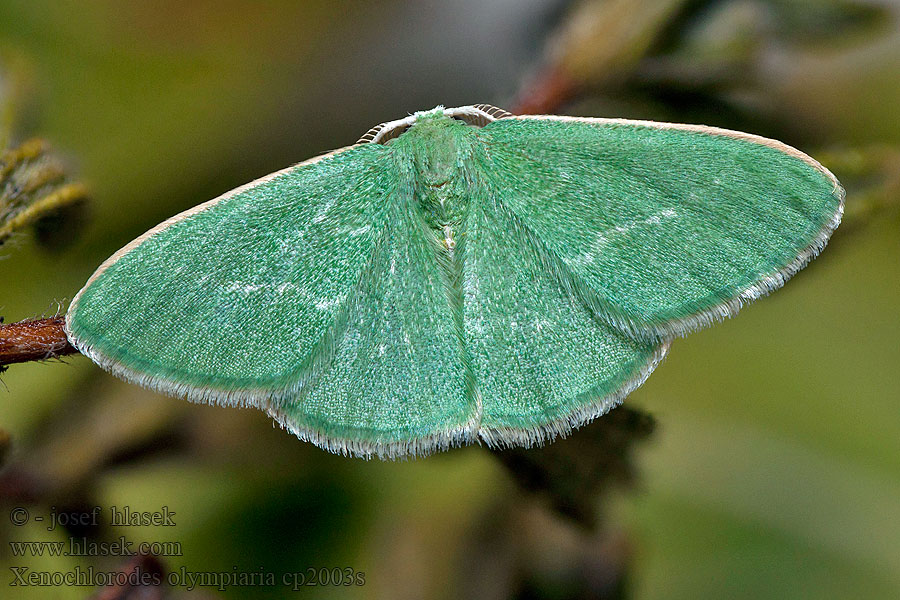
{"x":36,"y":339}
{"x":547,"y":93}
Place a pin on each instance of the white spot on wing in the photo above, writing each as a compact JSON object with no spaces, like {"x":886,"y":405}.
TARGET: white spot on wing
{"x":328,"y":303}
{"x":321,"y":215}
{"x":604,"y":237}
{"x":243,"y":288}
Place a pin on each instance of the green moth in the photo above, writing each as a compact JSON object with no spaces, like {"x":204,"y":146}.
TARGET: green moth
{"x":458,"y":275}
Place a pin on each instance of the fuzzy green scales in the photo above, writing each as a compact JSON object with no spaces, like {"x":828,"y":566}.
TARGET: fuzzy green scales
{"x":461,"y":274}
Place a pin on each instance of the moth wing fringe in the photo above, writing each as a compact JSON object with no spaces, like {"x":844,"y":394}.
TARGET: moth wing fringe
{"x":527,"y":437}
{"x":730,"y":307}
{"x":420,"y":446}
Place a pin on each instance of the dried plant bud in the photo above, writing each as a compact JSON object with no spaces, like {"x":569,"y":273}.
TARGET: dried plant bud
{"x":34,"y":190}
{"x":872,"y":173}
{"x":575,"y":473}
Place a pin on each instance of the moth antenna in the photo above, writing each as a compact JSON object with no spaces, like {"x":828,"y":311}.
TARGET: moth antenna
{"x":369,"y":136}
{"x":497,"y":113}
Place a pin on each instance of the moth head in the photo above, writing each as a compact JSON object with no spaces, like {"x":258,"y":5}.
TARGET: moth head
{"x":476,"y":115}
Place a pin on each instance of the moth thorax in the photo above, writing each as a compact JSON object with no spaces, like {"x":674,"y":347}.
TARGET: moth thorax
{"x":441,"y":192}
{"x":445,"y":203}
{"x":436,"y":156}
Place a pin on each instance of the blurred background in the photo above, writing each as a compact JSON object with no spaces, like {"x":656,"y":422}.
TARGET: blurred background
{"x":761,"y":460}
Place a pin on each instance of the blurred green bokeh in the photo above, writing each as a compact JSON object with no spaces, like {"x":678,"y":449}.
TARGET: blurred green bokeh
{"x":775,"y":468}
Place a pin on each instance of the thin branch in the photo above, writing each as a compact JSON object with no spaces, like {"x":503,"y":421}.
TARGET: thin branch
{"x":36,"y":339}
{"x":547,"y":93}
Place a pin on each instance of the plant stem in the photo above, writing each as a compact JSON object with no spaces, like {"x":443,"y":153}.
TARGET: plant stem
{"x":35,"y":339}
